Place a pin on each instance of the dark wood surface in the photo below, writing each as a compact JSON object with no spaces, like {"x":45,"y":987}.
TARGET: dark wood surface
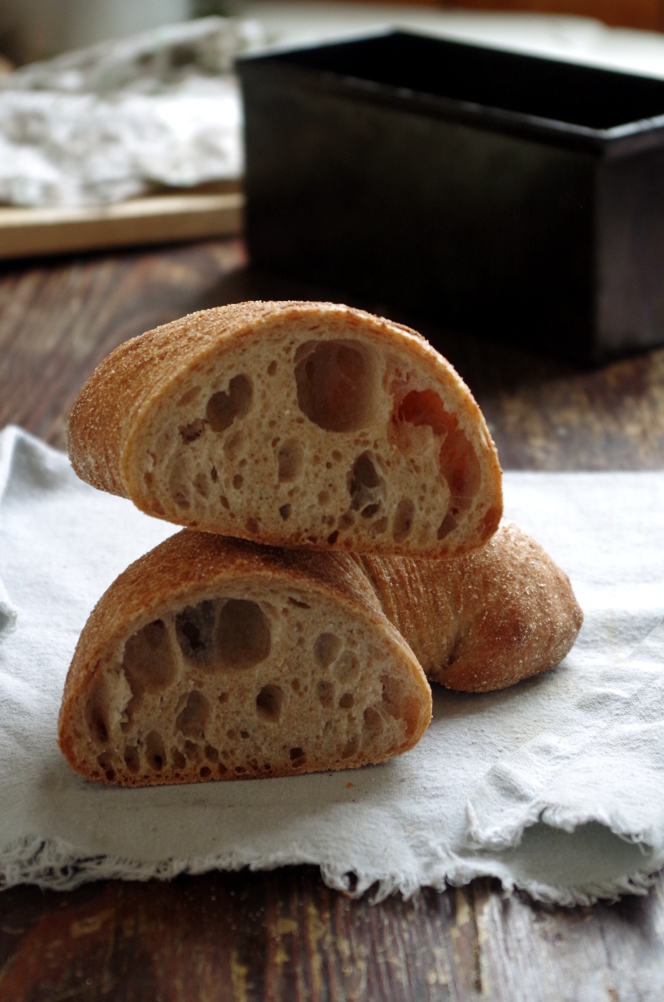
{"x":283,"y":934}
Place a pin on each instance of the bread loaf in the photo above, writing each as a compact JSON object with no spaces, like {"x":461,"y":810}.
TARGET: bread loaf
{"x":293,"y":424}
{"x":485,"y":620}
{"x":213,"y":658}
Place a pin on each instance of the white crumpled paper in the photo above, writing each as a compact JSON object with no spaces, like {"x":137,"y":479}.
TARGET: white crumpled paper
{"x":554,"y":785}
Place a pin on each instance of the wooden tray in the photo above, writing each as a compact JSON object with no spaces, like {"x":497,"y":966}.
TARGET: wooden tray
{"x":213,"y":210}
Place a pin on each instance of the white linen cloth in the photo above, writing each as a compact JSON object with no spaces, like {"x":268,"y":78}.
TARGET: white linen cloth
{"x":554,"y":785}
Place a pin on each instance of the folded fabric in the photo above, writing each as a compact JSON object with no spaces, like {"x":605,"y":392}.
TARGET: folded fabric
{"x":553,"y":786}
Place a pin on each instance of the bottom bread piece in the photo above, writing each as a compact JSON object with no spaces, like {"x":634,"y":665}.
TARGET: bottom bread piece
{"x":483,"y":621}
{"x":213,"y":658}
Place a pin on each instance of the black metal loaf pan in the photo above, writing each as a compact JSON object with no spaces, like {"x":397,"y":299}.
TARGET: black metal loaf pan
{"x":517,"y":196}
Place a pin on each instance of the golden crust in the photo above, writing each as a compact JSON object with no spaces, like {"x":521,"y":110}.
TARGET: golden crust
{"x":189,"y":566}
{"x":106,"y":432}
{"x":486,"y":620}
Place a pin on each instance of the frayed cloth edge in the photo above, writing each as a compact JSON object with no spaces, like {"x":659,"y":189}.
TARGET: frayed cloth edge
{"x":55,"y":865}
{"x":510,"y":833}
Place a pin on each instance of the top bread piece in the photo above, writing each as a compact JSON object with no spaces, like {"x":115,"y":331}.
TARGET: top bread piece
{"x":293,"y":424}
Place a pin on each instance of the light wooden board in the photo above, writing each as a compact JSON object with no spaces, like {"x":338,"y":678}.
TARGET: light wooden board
{"x":155,"y":219}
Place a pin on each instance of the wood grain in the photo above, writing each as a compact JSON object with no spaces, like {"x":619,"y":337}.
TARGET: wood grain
{"x":136,"y":222}
{"x":58,"y":321}
{"x":283,"y":935}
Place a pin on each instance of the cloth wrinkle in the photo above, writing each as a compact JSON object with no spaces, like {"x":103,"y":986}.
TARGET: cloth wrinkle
{"x":552,"y":786}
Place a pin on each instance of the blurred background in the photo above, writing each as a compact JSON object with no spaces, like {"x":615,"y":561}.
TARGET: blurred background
{"x":123,"y":123}
{"x":37,"y":29}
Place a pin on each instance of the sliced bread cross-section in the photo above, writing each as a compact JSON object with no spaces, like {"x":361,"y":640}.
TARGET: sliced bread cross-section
{"x":292,"y":424}
{"x":213,"y":658}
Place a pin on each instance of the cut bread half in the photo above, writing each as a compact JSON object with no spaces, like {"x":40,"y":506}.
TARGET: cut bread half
{"x":292,"y":424}
{"x":485,"y":620}
{"x":213,"y":658}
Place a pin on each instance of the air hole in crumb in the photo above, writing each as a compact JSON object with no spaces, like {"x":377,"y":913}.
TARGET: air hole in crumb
{"x":179,"y":761}
{"x":326,"y":649}
{"x":222,"y":769}
{"x":193,"y":718}
{"x":205,"y":771}
{"x":105,"y":761}
{"x":403,"y":520}
{"x":96,"y":715}
{"x":332,"y":538}
{"x":148,"y":479}
{"x":325,"y":692}
{"x":181,"y":500}
{"x":335,"y":384}
{"x":132,"y":758}
{"x":370,"y":510}
{"x":365,"y":486}
{"x":244,"y":735}
{"x":373,"y":722}
{"x":194,"y":628}
{"x":296,"y":756}
{"x":300,"y":605}
{"x":190,"y":432}
{"x":447,"y":526}
{"x":346,"y":701}
{"x":323,"y":497}
{"x":285,"y":511}
{"x":295,"y":684}
{"x":351,"y":747}
{"x":155,"y":751}
{"x":238,"y":480}
{"x":347,"y":667}
{"x":336,"y":456}
{"x":268,"y":703}
{"x":224,"y":502}
{"x":192,"y":751}
{"x":346,"y":520}
{"x":272,"y":368}
{"x":397,"y":705}
{"x":223,"y":697}
{"x":214,"y":476}
{"x":148,"y":660}
{"x":458,"y":462}
{"x":240,"y":769}
{"x":211,"y":753}
{"x":243,"y":634}
{"x":201,"y":485}
{"x":222,"y":408}
{"x":290,"y":457}
{"x":252,"y":524}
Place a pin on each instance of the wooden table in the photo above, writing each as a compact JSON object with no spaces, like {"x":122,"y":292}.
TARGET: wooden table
{"x":283,"y":935}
